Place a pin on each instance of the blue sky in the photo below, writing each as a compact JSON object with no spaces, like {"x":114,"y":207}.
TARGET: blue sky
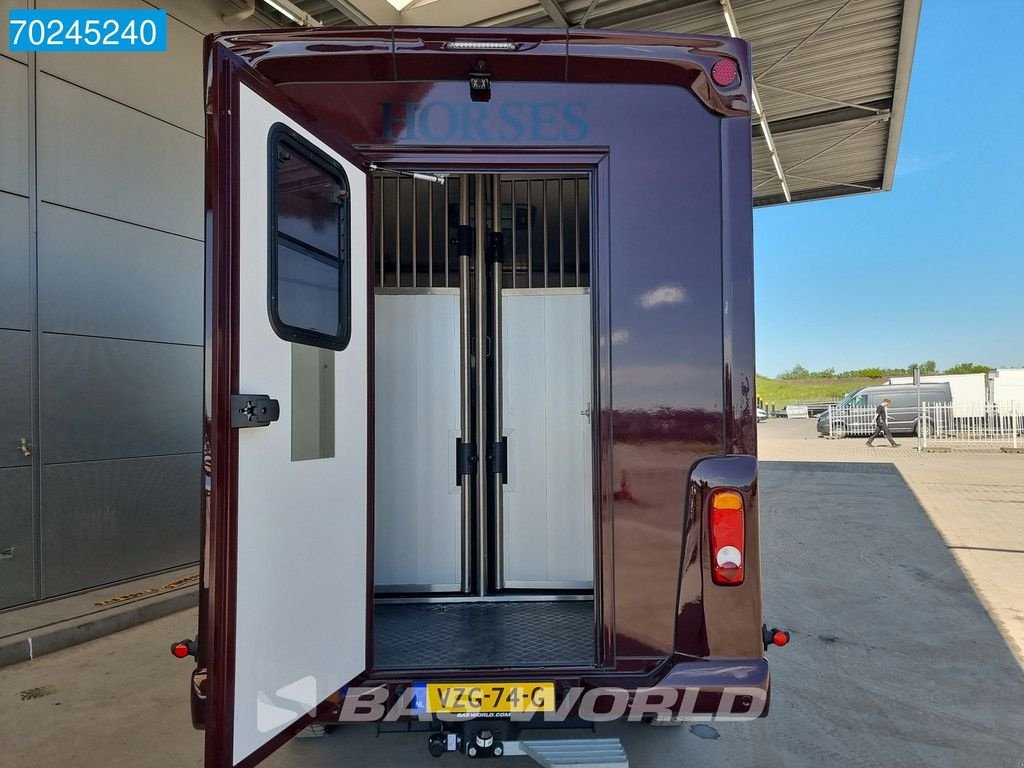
{"x":947,"y":241}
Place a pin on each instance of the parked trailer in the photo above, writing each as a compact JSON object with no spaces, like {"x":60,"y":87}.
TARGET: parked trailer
{"x":479,"y":402}
{"x":966,"y":389}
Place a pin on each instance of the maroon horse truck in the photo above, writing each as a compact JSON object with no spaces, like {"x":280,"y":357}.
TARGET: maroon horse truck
{"x":479,"y":388}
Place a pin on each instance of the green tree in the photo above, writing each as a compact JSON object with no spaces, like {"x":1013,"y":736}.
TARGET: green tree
{"x":969,"y":368}
{"x":796,"y":372}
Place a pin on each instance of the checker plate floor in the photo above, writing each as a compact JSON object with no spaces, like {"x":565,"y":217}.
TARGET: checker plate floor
{"x":467,"y":635}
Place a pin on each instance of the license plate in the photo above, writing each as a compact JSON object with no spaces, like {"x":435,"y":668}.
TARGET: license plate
{"x":484,"y":698}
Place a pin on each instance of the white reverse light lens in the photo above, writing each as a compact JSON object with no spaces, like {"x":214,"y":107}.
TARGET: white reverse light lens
{"x":729,"y":557}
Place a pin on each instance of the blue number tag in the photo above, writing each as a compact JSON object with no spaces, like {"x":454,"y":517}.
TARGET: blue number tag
{"x":419,"y":698}
{"x":87,"y":30}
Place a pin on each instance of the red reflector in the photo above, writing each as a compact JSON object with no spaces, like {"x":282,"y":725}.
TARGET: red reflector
{"x":725,"y":72}
{"x":780,"y":638}
{"x":726,"y":534}
{"x":180,"y":650}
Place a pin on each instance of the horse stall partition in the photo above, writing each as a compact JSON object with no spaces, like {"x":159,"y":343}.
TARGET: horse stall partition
{"x":484,"y":498}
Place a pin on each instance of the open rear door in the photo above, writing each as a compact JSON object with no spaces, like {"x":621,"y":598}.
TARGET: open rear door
{"x":284,"y":619}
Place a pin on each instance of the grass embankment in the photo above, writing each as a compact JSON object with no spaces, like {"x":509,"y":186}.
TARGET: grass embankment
{"x":784,"y":392}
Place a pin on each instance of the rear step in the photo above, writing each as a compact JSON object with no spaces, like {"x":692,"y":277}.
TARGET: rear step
{"x":569,"y":753}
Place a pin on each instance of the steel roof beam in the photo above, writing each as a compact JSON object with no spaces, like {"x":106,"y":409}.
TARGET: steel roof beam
{"x":904,"y":59}
{"x":796,"y":47}
{"x":880,"y":109}
{"x":864,"y":186}
{"x":464,"y":13}
{"x":554,"y":11}
{"x":733,"y":25}
{"x":817,"y":97}
{"x":829,"y":148}
{"x":379,"y":13}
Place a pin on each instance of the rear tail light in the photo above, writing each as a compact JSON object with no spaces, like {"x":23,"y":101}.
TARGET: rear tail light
{"x":725,"y":72}
{"x":726,"y":532}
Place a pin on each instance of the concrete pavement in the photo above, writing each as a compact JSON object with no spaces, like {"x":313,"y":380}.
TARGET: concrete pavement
{"x":894,"y":660}
{"x":974,"y":499}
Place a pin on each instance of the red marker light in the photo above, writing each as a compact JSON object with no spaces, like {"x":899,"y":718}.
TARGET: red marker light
{"x":181,"y":650}
{"x":780,"y":638}
{"x":725,"y":72}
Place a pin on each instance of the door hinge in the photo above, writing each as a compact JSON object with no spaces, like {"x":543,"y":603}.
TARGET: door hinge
{"x":497,"y":459}
{"x":253,"y":411}
{"x":465,"y":460}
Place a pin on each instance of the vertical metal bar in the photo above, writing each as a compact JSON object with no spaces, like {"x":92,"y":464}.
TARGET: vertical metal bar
{"x":576,"y":225}
{"x":447,"y":235}
{"x":415,"y":233}
{"x":482,"y":533}
{"x":497,"y":269}
{"x":515,"y":251}
{"x":430,"y":235}
{"x":465,"y":385}
{"x":380,"y":230}
{"x":561,"y":235}
{"x":398,"y":231}
{"x":529,"y":233}
{"x":544,"y":209}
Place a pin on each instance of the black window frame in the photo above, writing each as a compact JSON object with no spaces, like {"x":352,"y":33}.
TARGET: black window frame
{"x":281,"y":135}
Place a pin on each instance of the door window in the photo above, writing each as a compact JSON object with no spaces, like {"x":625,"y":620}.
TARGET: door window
{"x":309,"y":265}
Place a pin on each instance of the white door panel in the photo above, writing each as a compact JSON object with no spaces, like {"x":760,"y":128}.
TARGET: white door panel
{"x":547,"y":526}
{"x":302,"y":525}
{"x":417,"y":509}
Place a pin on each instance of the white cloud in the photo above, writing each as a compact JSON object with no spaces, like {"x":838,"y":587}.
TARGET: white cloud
{"x":663,"y":294}
{"x":620,"y":337}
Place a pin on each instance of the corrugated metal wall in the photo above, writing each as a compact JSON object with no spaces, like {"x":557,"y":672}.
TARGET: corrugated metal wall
{"x":101,"y":309}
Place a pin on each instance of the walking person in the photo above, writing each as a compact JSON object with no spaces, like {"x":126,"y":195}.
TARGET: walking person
{"x":882,"y":423}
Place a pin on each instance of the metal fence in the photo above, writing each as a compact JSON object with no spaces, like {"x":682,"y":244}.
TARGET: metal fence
{"x":980,"y":425}
{"x":936,"y":425}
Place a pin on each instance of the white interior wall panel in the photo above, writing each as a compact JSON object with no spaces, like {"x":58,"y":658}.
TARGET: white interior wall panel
{"x":548,"y":503}
{"x":417,"y":512}
{"x":14,"y":149}
{"x":117,"y":162}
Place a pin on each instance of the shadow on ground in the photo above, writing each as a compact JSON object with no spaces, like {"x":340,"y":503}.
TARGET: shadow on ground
{"x":894,"y":661}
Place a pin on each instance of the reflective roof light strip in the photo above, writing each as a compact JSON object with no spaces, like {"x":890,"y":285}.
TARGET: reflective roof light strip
{"x":762,"y":118}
